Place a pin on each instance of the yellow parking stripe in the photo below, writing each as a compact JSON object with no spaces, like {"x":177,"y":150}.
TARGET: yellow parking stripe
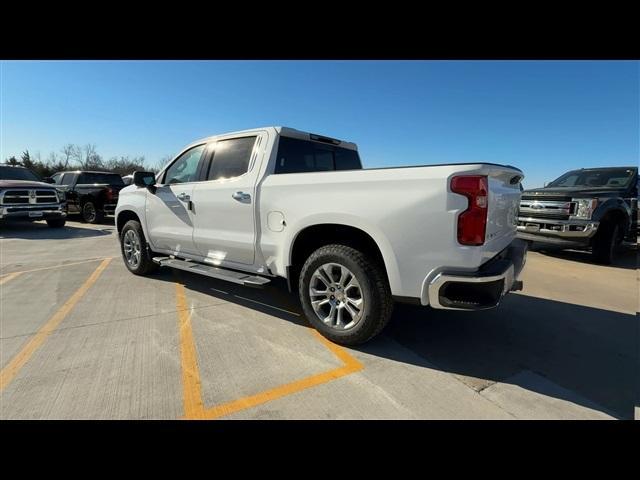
{"x":9,"y":277}
{"x":192,"y":395}
{"x":192,"y":386}
{"x":9,"y":372}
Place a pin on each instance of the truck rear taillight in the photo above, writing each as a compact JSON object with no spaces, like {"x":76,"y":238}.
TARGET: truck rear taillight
{"x":472,"y":223}
{"x":109,"y":193}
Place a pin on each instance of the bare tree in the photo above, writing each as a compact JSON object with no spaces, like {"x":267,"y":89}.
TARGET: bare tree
{"x":68,"y":152}
{"x":76,"y":154}
{"x":125,"y":165}
{"x":89,"y":152}
{"x":162,"y":162}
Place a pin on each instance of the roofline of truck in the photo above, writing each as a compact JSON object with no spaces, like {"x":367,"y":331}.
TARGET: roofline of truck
{"x":446,"y":165}
{"x":279,"y":130}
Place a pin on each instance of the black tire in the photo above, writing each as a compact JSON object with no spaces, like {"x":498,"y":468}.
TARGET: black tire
{"x":606,"y":242}
{"x":145,"y":265}
{"x":378,"y":302}
{"x":56,"y":222}
{"x":90,"y":214}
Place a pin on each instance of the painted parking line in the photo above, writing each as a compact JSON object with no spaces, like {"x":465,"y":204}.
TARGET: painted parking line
{"x":9,"y":372}
{"x":5,"y":275}
{"x":192,"y":386}
{"x":8,"y":277}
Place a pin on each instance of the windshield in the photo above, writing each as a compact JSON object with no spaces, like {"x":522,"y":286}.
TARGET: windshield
{"x":597,"y":178}
{"x":16,"y":173}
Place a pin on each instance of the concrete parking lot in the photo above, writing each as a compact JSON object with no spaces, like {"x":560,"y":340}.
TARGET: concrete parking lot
{"x":82,"y":338}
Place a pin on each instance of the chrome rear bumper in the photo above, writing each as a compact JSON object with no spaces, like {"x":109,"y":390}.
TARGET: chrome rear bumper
{"x":483,"y":288}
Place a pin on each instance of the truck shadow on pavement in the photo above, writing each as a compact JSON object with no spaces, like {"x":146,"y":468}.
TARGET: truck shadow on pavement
{"x":626,"y":258}
{"x":589,"y":351}
{"x":41,"y":231}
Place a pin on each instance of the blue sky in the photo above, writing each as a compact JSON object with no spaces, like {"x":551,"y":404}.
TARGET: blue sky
{"x":544,"y":117}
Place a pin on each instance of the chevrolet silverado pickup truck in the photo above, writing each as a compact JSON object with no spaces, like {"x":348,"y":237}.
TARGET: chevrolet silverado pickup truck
{"x":590,"y":207}
{"x":91,"y":194}
{"x":277,"y":202}
{"x":24,"y":196}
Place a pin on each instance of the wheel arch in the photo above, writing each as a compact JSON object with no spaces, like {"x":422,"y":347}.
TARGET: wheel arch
{"x":123,"y":217}
{"x":314,"y":236}
{"x":617,"y":216}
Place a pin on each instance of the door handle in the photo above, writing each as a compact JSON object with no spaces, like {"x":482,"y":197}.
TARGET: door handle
{"x":184,"y":197}
{"x":241,"y":196}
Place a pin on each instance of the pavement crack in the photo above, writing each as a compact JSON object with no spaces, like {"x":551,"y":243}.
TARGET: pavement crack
{"x":107,"y":322}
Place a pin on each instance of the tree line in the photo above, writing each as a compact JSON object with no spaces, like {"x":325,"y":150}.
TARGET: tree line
{"x":76,"y":157}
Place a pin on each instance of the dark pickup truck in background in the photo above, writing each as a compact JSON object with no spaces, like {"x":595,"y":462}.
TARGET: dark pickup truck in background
{"x":91,"y":194}
{"x":590,"y":207}
{"x":24,"y":196}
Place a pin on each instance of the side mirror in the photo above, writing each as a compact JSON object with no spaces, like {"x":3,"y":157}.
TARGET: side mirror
{"x":144,"y":179}
{"x":48,"y":180}
{"x":546,"y":184}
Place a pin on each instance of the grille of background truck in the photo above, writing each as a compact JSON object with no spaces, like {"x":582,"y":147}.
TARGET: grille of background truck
{"x":560,"y":209}
{"x":28,"y":197}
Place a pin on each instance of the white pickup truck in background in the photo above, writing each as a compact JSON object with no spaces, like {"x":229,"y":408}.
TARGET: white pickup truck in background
{"x":277,"y":202}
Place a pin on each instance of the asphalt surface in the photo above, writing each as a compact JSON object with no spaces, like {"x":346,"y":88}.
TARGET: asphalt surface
{"x":82,"y":338}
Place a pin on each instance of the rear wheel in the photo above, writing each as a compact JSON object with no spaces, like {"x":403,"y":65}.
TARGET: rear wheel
{"x":606,"y":242}
{"x":56,"y":222}
{"x":345,"y":294}
{"x":135,"y":252}
{"x":90,"y":214}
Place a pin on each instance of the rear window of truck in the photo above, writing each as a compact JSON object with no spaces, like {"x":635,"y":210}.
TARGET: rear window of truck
{"x":298,"y":156}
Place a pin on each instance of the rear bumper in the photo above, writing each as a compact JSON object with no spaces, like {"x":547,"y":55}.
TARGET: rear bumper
{"x":483,"y":288}
{"x":33,"y":212}
{"x":110,"y":208}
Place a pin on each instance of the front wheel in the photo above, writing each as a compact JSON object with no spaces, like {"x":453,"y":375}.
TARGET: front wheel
{"x":345,"y":294}
{"x":135,"y":253}
{"x":605,"y":243}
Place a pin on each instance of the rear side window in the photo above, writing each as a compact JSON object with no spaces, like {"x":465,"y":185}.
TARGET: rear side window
{"x":231,"y":158}
{"x":298,"y":156}
{"x":104,"y":178}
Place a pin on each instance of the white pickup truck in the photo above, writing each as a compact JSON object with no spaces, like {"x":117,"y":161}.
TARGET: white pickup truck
{"x":277,"y":202}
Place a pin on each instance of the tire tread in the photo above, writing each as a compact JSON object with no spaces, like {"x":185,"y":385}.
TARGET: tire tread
{"x":379,"y":283}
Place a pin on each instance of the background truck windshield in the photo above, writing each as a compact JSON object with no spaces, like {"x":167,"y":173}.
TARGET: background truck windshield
{"x":14,"y":173}
{"x":597,"y":178}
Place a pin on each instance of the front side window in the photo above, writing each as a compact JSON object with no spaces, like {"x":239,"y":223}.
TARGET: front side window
{"x":231,"y":158}
{"x":299,"y":156}
{"x":185,"y":168}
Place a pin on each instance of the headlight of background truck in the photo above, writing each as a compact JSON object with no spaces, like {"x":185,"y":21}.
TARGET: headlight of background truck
{"x":585,"y":207}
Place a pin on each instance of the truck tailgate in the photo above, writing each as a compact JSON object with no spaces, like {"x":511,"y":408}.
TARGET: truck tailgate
{"x":504,"y":199}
